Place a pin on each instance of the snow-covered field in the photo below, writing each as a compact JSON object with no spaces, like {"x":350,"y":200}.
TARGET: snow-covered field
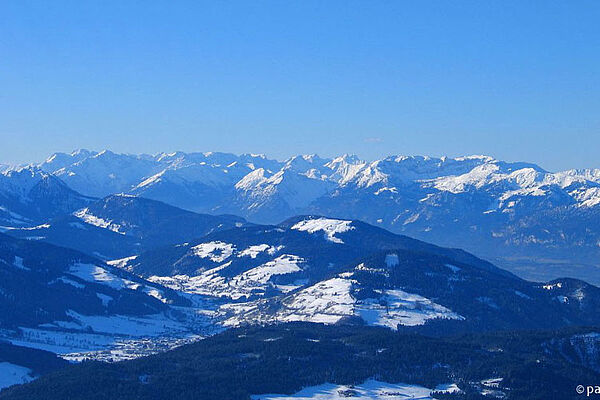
{"x":117,"y":337}
{"x":331,"y":300}
{"x":77,"y":346}
{"x":254,"y":251}
{"x":251,"y":282}
{"x":59,"y":341}
{"x":397,"y":307}
{"x":285,"y":264}
{"x":325,"y":302}
{"x":91,"y":219}
{"x":11,"y":374}
{"x":149,"y":325}
{"x":327,"y":225}
{"x":215,"y":251}
{"x":369,"y":390}
{"x":96,"y":274}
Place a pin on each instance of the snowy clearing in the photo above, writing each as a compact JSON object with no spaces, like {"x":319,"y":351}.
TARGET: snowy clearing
{"x":254,"y":251}
{"x":331,"y":300}
{"x":96,"y":274}
{"x":282,"y":265}
{"x":91,"y":219}
{"x":397,"y":307}
{"x":329,"y":226}
{"x":11,"y":374}
{"x":369,"y":390}
{"x":215,"y":251}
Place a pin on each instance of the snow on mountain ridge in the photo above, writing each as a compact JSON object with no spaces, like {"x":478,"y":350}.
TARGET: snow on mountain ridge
{"x":20,"y":180}
{"x":285,"y":187}
{"x":110,"y":172}
{"x":340,"y":170}
{"x":440,"y":199}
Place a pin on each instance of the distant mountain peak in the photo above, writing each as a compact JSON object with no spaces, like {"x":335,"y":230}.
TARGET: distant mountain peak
{"x":490,"y":206}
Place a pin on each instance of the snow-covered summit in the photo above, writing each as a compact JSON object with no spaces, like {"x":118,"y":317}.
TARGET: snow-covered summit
{"x":479,"y":202}
{"x":259,"y":182}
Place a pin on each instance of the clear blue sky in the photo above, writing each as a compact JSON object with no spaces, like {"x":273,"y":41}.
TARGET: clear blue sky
{"x":519,"y":80}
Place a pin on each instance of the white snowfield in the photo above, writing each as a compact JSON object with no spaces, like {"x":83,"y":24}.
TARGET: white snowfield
{"x":248,"y":283}
{"x":284,"y":264}
{"x":330,"y":227}
{"x":96,"y":274}
{"x":331,"y":300}
{"x":149,"y":325}
{"x":254,"y":251}
{"x":325,"y":302}
{"x":303,"y":178}
{"x":12,"y":374}
{"x":91,"y":219}
{"x":117,"y":337}
{"x":369,"y":390}
{"x":122,"y":262}
{"x":397,"y":307}
{"x":215,"y":251}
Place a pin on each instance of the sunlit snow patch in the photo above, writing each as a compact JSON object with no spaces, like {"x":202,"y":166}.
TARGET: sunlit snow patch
{"x":254,"y":251}
{"x":282,"y":265}
{"x":454,"y":268}
{"x":448,"y":388}
{"x":251,"y":282}
{"x":331,"y":300}
{"x":121,"y":262}
{"x":329,"y":226}
{"x":96,"y":274}
{"x":91,"y":219}
{"x":325,"y":302}
{"x":552,"y":286}
{"x":215,"y":251}
{"x":68,"y":282}
{"x":369,"y":390}
{"x":397,"y":307}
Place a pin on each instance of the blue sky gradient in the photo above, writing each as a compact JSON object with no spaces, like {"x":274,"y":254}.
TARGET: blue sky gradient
{"x":519,"y":80}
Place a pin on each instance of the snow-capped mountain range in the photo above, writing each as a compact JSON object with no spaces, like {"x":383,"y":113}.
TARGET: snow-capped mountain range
{"x":29,"y":195}
{"x":179,"y":275}
{"x":531,"y":221}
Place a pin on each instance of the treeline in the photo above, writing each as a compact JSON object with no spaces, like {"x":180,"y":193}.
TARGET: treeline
{"x":284,"y":359}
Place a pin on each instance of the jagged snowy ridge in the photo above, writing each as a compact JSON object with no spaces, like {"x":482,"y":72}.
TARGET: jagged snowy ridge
{"x":509,"y":205}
